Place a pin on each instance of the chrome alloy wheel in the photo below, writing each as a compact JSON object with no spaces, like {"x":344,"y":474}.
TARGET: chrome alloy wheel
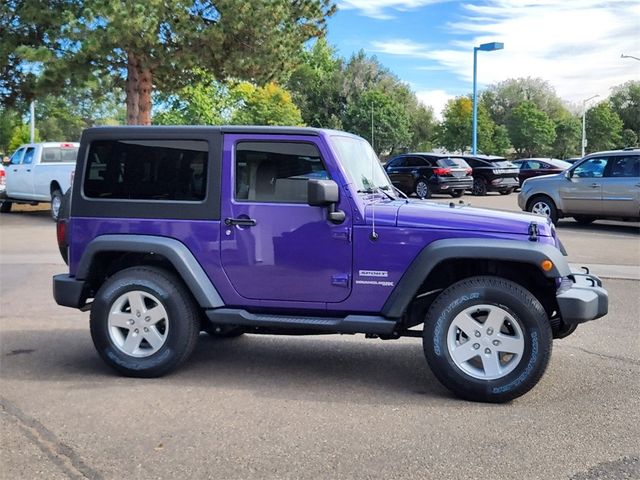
{"x":138,"y":324}
{"x":485,"y":342}
{"x":56,"y":202}
{"x":541,"y":208}
{"x":422,"y":189}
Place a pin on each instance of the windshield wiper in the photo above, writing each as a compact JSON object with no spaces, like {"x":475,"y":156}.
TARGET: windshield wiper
{"x":372,"y":190}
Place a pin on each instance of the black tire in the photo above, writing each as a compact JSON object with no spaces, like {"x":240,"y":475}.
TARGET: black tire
{"x":182,"y":317}
{"x":551,"y":206}
{"x":422,"y":188}
{"x":457,"y":193}
{"x":584,"y":220}
{"x":5,"y":206}
{"x":516,"y":302}
{"x":222,"y":331}
{"x":479,"y":187}
{"x":56,"y":204}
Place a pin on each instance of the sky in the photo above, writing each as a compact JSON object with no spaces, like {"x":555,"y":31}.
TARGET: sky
{"x":573,"y":44}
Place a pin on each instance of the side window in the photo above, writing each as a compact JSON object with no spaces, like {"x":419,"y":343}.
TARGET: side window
{"x":535,"y":165}
{"x":416,"y":162}
{"x":17,"y":156}
{"x":523,"y":165}
{"x":400,"y":162}
{"x":172,"y":170}
{"x":395,"y":163}
{"x":472,"y":162}
{"x":28,"y":156}
{"x":276,"y":171}
{"x":625,"y":166}
{"x":592,"y":168}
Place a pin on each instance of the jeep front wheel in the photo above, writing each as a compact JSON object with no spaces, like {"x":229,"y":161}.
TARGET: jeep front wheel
{"x":487,"y":339}
{"x":144,"y":323}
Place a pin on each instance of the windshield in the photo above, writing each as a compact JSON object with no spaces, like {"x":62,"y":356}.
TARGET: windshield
{"x":361,"y":163}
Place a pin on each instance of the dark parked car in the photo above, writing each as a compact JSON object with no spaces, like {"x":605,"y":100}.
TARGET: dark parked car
{"x":427,"y":173}
{"x":492,"y":174}
{"x":535,"y":167}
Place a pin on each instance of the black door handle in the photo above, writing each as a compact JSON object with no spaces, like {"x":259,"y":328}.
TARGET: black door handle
{"x":242,"y":222}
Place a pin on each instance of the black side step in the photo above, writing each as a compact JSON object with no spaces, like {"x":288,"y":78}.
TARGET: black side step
{"x":349,"y":324}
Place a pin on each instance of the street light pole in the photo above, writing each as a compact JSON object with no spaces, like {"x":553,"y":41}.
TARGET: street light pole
{"x":629,"y":56}
{"x":485,"y":47}
{"x":584,"y":130}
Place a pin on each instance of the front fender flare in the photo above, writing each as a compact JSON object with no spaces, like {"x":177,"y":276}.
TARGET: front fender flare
{"x":472,"y":248}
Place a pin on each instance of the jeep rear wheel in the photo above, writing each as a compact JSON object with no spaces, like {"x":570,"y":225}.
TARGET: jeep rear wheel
{"x":56,"y":203}
{"x":487,"y":339}
{"x":144,"y":323}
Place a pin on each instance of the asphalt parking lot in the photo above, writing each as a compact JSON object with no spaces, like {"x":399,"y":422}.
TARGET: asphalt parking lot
{"x":309,"y":407}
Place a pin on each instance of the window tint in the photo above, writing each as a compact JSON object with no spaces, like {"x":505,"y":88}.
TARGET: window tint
{"x":59,"y":154}
{"x":147,"y":170}
{"x":452,"y":162}
{"x":28,"y":156}
{"x":416,"y":162}
{"x":276,"y":171}
{"x":534,"y":164}
{"x":625,"y":166}
{"x":522,"y":165}
{"x":17,"y":156}
{"x":592,"y":168}
{"x":473,"y":162}
{"x":398,"y":162}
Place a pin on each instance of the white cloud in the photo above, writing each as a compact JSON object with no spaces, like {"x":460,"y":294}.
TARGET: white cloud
{"x":436,"y":99}
{"x":574,"y":44}
{"x":380,"y":8}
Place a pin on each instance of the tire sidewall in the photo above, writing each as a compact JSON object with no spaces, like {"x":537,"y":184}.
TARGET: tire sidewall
{"x":553,"y":211}
{"x":168,"y":355}
{"x":536,"y":332}
{"x":479,"y":187}
{"x":428,"y":189}
{"x":56,"y":194}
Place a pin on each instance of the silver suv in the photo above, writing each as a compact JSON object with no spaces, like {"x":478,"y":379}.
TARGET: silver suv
{"x":603,"y":185}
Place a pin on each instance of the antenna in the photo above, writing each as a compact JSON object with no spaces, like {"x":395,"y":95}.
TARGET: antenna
{"x":374,"y":235}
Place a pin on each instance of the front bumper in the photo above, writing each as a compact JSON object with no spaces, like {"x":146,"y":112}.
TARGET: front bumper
{"x":581,"y":298}
{"x":69,"y":292}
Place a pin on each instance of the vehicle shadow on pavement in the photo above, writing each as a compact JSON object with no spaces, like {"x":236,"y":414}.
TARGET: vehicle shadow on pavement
{"x":328,"y":368}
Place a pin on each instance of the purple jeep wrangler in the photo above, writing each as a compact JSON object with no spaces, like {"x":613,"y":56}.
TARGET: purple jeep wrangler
{"x":172,"y":231}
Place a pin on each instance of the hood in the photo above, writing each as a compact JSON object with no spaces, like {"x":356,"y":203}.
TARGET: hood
{"x":425,"y":214}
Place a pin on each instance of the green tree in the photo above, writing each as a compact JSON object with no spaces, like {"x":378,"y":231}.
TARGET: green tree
{"x":625,"y":101}
{"x":501,"y":141}
{"x":268,"y":105}
{"x":391,"y":125}
{"x":603,"y":128}
{"x":531,"y":130}
{"x":9,"y":120}
{"x":502,"y":98}
{"x":629,"y":138}
{"x":568,"y":136}
{"x":20,"y":135}
{"x":159,"y":44}
{"x":316,"y":86}
{"x":456,"y":128}
{"x":206,"y":102}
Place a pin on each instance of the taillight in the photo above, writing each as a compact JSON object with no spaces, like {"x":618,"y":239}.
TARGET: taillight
{"x":468,"y":171}
{"x":61,"y":232}
{"x":442,"y":171}
{"x":2,"y":177}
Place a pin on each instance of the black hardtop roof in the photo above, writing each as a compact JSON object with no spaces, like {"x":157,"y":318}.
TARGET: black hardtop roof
{"x":167,"y":129}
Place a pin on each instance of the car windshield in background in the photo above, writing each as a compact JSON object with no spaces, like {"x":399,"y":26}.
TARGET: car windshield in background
{"x":452,"y":162}
{"x":362,"y":163}
{"x":59,"y":154}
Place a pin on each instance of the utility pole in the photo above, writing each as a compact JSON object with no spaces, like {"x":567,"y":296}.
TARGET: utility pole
{"x":584,"y":130}
{"x":32,"y":122}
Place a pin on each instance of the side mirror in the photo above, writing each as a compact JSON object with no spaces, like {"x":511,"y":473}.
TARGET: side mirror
{"x":567,"y":174}
{"x":321,"y":193}
{"x":325,"y":193}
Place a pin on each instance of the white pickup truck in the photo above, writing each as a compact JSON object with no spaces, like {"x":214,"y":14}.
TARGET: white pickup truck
{"x":39,"y":172}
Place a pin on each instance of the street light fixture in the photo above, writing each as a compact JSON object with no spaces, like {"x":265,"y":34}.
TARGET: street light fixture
{"x":629,"y":56}
{"x":584,"y":135}
{"x":485,"y":47}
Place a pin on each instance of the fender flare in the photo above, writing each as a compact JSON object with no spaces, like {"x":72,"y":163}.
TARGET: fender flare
{"x":176,"y":252}
{"x":472,"y":248}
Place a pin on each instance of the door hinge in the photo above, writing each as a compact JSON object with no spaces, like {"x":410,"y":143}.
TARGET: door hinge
{"x":342,"y":234}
